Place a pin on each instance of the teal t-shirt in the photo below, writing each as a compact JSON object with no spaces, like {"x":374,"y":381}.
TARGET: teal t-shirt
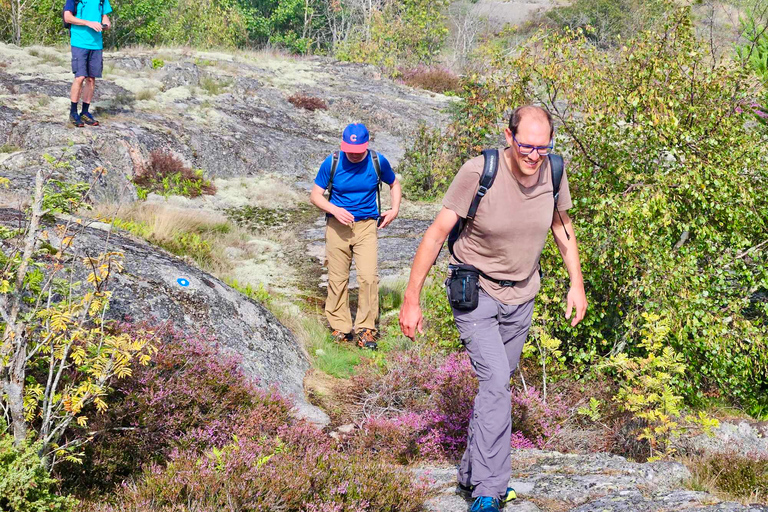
{"x":82,"y":36}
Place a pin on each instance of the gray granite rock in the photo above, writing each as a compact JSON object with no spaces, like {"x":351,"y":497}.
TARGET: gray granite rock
{"x":743,"y":438}
{"x":586,"y":483}
{"x":148,"y":290}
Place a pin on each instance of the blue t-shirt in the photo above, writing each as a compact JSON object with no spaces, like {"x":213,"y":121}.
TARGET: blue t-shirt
{"x":80,"y":35}
{"x":355,"y":185}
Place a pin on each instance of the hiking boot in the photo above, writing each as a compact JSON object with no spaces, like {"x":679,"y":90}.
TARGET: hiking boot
{"x":486,"y":504}
{"x":465,"y":491}
{"x":76,"y":120}
{"x":341,"y":337}
{"x":366,"y":339}
{"x":88,"y":119}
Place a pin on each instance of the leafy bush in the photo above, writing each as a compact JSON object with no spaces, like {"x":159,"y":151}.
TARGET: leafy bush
{"x":24,"y":482}
{"x":167,"y":175}
{"x":428,"y":165}
{"x":605,"y":21}
{"x":192,"y":396}
{"x":311,"y":103}
{"x":439,"y":328}
{"x":435,"y":78}
{"x":405,"y":33}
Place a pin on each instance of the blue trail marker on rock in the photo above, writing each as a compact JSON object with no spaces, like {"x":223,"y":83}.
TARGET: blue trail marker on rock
{"x":183,"y":282}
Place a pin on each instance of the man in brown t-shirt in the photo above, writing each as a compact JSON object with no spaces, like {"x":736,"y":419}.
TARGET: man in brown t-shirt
{"x":504,"y":241}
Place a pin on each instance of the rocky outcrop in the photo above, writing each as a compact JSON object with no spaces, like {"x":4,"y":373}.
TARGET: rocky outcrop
{"x":157,"y":287}
{"x":552,"y":481}
{"x":227,"y":115}
{"x":743,"y":438}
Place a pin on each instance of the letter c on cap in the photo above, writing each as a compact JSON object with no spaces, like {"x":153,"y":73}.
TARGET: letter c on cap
{"x":353,"y":137}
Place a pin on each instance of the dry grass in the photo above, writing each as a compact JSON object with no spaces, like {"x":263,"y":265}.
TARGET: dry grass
{"x":201,"y":236}
{"x":730,"y":476}
{"x":146,"y":94}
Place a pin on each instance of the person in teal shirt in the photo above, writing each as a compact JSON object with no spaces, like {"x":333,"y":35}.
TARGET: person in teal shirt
{"x":87,"y":19}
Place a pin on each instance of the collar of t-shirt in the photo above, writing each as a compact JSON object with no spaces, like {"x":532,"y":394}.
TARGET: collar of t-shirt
{"x":355,"y":166}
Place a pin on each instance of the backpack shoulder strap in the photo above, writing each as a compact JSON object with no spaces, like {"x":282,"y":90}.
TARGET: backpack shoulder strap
{"x":377,"y":168}
{"x":376,"y":164}
{"x":334,"y":165}
{"x":556,"y":168}
{"x":490,"y":166}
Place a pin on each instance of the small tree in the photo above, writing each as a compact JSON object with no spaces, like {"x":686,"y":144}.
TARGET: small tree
{"x":58,"y":354}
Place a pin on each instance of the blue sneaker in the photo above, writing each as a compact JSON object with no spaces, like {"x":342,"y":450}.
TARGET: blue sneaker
{"x":88,"y":119}
{"x":465,"y":491}
{"x":485,"y":504}
{"x":76,"y":120}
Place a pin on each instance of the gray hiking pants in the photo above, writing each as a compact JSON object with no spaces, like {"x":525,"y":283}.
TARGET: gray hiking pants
{"x":494,"y":335}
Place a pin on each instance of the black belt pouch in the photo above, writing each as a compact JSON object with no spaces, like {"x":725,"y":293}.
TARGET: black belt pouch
{"x":463,"y":287}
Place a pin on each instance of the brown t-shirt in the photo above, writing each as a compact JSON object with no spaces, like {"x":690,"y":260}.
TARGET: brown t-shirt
{"x":510,"y":228}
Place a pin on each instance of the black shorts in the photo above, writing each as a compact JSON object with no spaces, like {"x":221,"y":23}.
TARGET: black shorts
{"x":86,"y":62}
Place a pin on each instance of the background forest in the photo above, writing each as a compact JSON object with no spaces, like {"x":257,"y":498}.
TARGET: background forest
{"x":661,"y":112}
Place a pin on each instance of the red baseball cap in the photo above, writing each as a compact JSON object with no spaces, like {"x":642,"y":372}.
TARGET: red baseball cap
{"x":355,"y":138}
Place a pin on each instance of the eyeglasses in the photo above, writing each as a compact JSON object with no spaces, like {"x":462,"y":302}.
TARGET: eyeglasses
{"x":527,"y":149}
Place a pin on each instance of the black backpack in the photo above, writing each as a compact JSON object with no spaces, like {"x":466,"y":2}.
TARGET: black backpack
{"x":490,"y":167}
{"x":376,"y":166}
{"x":77,"y":2}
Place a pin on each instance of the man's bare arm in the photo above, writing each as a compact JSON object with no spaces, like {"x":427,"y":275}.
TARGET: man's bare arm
{"x":395,"y":195}
{"x":70,"y":18}
{"x":569,"y":250}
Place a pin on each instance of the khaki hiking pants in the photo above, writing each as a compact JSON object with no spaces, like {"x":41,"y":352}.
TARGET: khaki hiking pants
{"x":358,"y":240}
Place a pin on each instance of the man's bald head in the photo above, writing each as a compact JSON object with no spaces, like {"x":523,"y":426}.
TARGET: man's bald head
{"x":528,"y":112}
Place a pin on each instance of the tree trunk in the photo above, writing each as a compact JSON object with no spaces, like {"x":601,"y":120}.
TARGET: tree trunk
{"x":16,"y":21}
{"x":14,"y":389}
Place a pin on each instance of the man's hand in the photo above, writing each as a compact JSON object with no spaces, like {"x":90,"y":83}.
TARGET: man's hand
{"x":105,"y":21}
{"x":94,"y":25}
{"x":411,"y":319}
{"x":576,"y":299}
{"x":343,"y":216}
{"x":387,"y":218}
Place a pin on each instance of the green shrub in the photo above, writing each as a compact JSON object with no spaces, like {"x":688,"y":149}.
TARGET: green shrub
{"x":428,"y":165}
{"x":167,"y":175}
{"x":24,"y":482}
{"x":406,"y":33}
{"x":606,"y":20}
{"x":439,"y":329}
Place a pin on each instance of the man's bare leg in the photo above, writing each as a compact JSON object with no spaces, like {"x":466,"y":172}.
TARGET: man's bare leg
{"x":88,"y":89}
{"x":77,"y":86}
{"x":74,"y":97}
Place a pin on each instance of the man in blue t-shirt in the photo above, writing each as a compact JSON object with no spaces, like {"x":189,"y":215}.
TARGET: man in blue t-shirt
{"x":87,"y":19}
{"x":352,"y":216}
